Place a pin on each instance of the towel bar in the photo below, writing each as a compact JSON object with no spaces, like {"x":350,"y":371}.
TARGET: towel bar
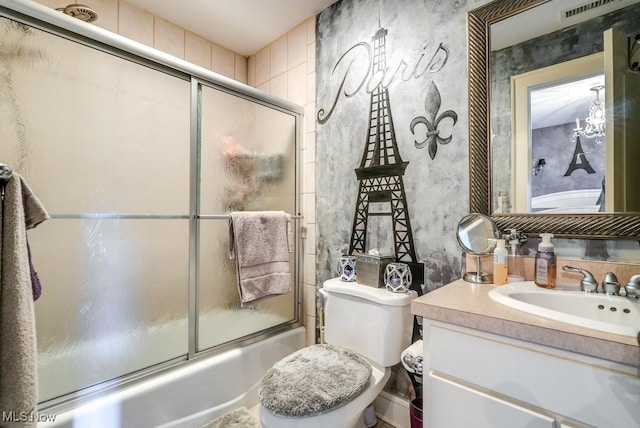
{"x":228,"y":216}
{"x":109,"y":216}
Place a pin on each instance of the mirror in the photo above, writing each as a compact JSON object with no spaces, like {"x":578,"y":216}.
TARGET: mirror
{"x":477,"y":234}
{"x":559,"y":167}
{"x":563,"y":51}
{"x":482,"y":143}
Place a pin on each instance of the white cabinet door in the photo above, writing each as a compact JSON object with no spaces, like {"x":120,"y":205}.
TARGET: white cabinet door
{"x":567,"y":424}
{"x":452,"y":405}
{"x":581,"y":390}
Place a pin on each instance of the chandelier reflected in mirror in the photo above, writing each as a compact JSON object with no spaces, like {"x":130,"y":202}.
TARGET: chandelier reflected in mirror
{"x":595,"y":122}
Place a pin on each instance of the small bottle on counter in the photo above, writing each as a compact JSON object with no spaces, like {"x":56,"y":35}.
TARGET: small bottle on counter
{"x":545,"y":263}
{"x":516,"y":271}
{"x":500,"y":263}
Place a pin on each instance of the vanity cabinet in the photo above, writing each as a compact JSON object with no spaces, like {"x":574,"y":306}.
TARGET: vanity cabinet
{"x":478,"y":379}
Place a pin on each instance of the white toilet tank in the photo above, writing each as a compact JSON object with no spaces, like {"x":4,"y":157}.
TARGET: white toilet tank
{"x":373,"y":322}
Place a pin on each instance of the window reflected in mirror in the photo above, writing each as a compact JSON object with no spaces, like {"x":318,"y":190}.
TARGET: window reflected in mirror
{"x":567,"y":151}
{"x":559,"y":140}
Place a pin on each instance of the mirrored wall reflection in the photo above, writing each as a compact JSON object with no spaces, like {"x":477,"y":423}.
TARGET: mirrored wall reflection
{"x":95,"y":133}
{"x":247,"y":164}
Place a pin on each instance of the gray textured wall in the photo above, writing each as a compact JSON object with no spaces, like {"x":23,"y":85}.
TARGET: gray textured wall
{"x":436,"y":189}
{"x":554,"y":144}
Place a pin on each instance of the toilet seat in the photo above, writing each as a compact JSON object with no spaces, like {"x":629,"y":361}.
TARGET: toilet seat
{"x":314,"y":380}
{"x":345,"y":416}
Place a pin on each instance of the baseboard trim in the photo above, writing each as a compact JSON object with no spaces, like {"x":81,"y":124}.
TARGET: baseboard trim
{"x":393,"y":410}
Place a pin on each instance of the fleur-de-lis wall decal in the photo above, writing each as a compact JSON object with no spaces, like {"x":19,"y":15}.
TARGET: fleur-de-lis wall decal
{"x":432,"y":104}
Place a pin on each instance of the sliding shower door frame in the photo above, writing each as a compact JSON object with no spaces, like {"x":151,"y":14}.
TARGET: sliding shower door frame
{"x":50,"y":21}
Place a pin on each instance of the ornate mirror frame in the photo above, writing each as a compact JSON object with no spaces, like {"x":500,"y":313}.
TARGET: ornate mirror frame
{"x":586,"y":226}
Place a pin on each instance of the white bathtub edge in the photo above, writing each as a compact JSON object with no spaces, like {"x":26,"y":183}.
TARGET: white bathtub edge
{"x":167,"y":397}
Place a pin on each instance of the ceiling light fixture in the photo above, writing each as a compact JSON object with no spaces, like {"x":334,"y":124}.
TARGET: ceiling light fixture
{"x":595,"y":123}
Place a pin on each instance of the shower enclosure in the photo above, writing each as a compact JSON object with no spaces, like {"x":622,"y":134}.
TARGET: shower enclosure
{"x":137,"y":156}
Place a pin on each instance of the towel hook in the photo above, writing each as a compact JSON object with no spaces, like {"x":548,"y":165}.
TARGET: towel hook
{"x":5,"y":172}
{"x":5,"y":175}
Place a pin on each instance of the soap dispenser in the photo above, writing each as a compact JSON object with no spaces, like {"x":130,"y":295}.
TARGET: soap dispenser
{"x":516,"y":271}
{"x":545,"y":262}
{"x":500,"y":265}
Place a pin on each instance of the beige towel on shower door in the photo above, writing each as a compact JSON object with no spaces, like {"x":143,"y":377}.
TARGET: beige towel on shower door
{"x":18,"y":353}
{"x":259,"y":242}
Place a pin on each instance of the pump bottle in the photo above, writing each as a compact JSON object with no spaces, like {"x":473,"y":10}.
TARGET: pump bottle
{"x":515,"y":261}
{"x":545,"y":262}
{"x":500,"y":263}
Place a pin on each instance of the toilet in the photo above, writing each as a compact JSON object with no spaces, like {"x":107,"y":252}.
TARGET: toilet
{"x":366,"y":328}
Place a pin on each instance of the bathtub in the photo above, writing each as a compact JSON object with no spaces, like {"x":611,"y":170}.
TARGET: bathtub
{"x":571,"y":201}
{"x":112,"y":355}
{"x":187,"y":396}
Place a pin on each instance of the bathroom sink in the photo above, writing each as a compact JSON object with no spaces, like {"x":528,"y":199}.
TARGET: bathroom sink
{"x":611,"y":314}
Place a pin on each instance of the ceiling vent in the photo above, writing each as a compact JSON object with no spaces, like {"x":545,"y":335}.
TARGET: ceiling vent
{"x":585,"y":7}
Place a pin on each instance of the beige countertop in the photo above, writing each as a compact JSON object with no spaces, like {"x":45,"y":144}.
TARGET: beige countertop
{"x":469,"y":305}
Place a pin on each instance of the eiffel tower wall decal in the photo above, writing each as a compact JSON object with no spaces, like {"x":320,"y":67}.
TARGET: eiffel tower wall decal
{"x":570,"y":166}
{"x":390,"y":169}
{"x":381,"y":169}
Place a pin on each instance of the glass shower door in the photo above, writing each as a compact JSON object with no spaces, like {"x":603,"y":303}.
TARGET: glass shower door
{"x":247,"y":158}
{"x":104,"y":144}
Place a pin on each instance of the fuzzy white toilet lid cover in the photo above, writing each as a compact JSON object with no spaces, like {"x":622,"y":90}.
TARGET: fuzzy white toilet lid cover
{"x":314,"y":380}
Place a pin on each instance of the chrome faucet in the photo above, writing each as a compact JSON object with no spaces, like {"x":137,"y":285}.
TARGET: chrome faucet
{"x":588,"y":283}
{"x":632,"y":289}
{"x":610,"y":285}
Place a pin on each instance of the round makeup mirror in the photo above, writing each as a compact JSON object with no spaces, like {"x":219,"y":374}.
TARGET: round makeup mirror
{"x":477,"y":234}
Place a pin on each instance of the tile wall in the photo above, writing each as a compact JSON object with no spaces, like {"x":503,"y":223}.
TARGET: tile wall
{"x":122,"y":18}
{"x":286,"y":68}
